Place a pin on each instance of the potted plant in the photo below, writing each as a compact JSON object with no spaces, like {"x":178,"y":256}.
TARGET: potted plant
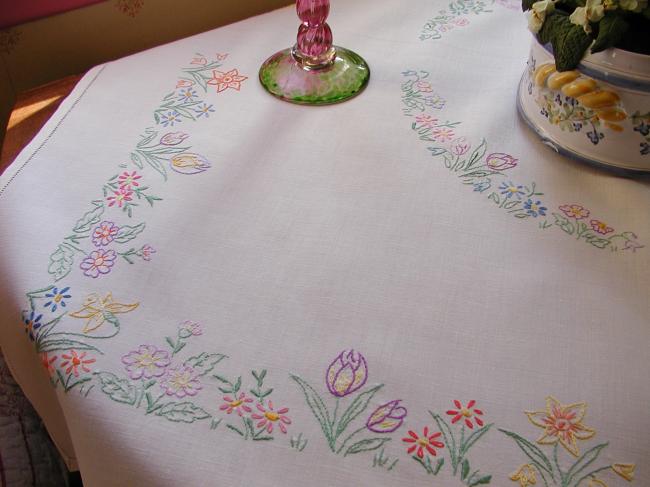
{"x":586,"y":91}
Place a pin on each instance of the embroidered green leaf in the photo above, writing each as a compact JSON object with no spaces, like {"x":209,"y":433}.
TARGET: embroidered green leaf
{"x":366,"y":445}
{"x":584,"y":461}
{"x":473,"y":438}
{"x":317,"y":406}
{"x":437,"y":151}
{"x":61,"y":262}
{"x":596,"y":241}
{"x":480,"y":481}
{"x":358,"y":406}
{"x":127,"y":232}
{"x":120,"y":390}
{"x":90,"y":218}
{"x":564,"y":223}
{"x":535,"y":454}
{"x":135,"y":158}
{"x":450,"y":440}
{"x":477,"y":154}
{"x":204,"y":362}
{"x":182,"y":412}
{"x":464,"y":469}
{"x":51,"y":345}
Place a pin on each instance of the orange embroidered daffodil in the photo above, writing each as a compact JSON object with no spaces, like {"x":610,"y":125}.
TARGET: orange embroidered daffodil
{"x":625,"y":470}
{"x":561,"y":423}
{"x":96,"y":310}
{"x":525,"y":476}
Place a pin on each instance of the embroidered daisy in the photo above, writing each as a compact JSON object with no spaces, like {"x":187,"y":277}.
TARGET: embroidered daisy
{"x":239,"y":404}
{"x":269,"y":417}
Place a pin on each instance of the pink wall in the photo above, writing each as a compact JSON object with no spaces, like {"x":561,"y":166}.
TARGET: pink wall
{"x":14,"y":12}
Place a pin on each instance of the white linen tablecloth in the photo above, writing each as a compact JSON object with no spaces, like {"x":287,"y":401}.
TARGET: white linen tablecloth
{"x":202,"y":285}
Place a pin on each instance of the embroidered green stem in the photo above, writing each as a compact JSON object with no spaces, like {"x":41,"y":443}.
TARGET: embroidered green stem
{"x":345,"y":442}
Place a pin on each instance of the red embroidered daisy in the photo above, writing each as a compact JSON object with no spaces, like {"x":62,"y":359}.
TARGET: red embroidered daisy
{"x":425,"y":442}
{"x":468,"y":412}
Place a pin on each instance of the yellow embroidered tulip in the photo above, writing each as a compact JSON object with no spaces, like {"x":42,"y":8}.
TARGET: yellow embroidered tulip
{"x":97,"y":310}
{"x":625,"y":470}
{"x":525,"y":476}
{"x":189,"y":163}
{"x":561,"y":423}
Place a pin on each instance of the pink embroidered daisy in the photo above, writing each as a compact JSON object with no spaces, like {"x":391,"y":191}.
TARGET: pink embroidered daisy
{"x":120,"y":196}
{"x":601,"y":227}
{"x":575,"y":211}
{"x":72,"y":362}
{"x":238,"y":404}
{"x":270,"y":416}
{"x":426,"y":120}
{"x":98,"y":262}
{"x":105,"y":233}
{"x":442,"y":134}
{"x":48,"y":362}
{"x":126,"y":180}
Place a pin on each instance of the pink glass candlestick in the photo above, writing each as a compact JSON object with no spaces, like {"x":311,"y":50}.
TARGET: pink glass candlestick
{"x":314,"y":71}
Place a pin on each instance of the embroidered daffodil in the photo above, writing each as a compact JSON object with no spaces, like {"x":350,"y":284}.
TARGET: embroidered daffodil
{"x":596,"y":482}
{"x":525,"y":476}
{"x":562,"y":423}
{"x":97,"y":310}
{"x":625,"y":470}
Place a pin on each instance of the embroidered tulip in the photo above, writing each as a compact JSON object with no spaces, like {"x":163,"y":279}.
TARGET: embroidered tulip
{"x":387,"y":418}
{"x":498,"y":161}
{"x":347,"y":373}
{"x":173,"y":138}
{"x":625,"y":470}
{"x":188,"y":163}
{"x":459,"y":146}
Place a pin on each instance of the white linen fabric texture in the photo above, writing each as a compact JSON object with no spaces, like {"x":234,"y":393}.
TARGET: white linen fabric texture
{"x":318,"y":230}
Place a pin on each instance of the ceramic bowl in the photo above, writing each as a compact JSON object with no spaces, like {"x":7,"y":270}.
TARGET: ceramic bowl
{"x":599,"y":113}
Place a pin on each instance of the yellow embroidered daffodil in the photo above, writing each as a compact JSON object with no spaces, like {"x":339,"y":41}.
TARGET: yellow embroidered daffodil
{"x":561,"y":423}
{"x":96,"y":310}
{"x":525,"y":475}
{"x":594,"y":482}
{"x":625,"y":470}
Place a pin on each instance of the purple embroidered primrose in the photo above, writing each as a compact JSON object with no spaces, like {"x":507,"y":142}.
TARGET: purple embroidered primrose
{"x":105,"y":233}
{"x":387,"y":417}
{"x":181,"y":381}
{"x":173,"y":138}
{"x":98,"y":262}
{"x":498,"y":161}
{"x":147,"y":361}
{"x":347,"y":373}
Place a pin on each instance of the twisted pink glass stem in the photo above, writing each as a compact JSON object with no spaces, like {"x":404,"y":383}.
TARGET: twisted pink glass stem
{"x":314,"y":35}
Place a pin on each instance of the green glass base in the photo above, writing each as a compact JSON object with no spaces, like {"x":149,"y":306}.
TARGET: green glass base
{"x":345,"y":77}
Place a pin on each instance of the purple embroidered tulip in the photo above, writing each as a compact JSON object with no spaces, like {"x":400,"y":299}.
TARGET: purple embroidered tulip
{"x":499,"y":161}
{"x":173,"y":138}
{"x":459,"y":146}
{"x":387,"y":418}
{"x":347,"y":373}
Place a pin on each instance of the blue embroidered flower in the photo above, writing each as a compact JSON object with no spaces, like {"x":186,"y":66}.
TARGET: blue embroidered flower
{"x":170,"y":118}
{"x":32,"y":324}
{"x":645,"y":148}
{"x":187,"y":94}
{"x":204,"y":109}
{"x":535,"y":209}
{"x":57,"y":297}
{"x":510,"y":189}
{"x":481,"y":186}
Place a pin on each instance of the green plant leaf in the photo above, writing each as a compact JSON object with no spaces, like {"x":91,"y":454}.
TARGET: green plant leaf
{"x":473,"y":438}
{"x":535,"y":454}
{"x":182,"y":412}
{"x":317,"y":406}
{"x":90,"y":218}
{"x":527,"y":4}
{"x":569,"y":40}
{"x":483,"y":480}
{"x":204,"y":362}
{"x":358,"y":406}
{"x":61,"y":262}
{"x":584,"y":461}
{"x":611,"y":29}
{"x":366,"y":445}
{"x":127,"y":232}
{"x":119,"y":390}
{"x":464,"y":469}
